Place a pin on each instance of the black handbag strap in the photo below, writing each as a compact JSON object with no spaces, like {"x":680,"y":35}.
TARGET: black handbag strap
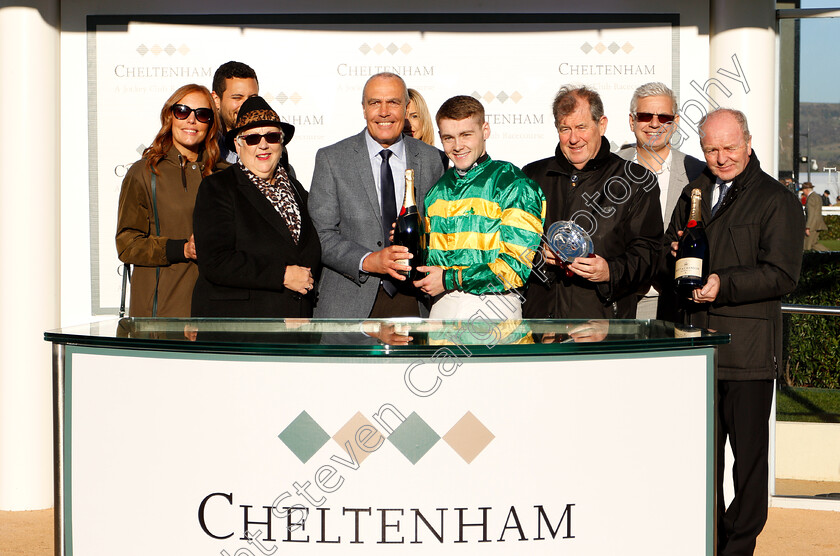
{"x":157,"y":233}
{"x":126,"y":278}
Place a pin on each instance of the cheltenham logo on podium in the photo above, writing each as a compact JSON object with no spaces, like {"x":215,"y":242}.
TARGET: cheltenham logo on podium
{"x":413,"y":438}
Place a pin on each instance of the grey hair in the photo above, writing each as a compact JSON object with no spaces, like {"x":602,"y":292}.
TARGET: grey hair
{"x":653,"y":89}
{"x":567,"y":100}
{"x":739,"y":116}
{"x":386,"y":75}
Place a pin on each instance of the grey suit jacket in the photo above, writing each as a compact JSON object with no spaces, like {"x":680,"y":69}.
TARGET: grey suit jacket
{"x":813,"y":212}
{"x":684,"y":169}
{"x":345,"y":209}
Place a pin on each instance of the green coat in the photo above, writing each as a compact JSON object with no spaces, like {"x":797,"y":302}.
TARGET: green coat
{"x":485,"y":227}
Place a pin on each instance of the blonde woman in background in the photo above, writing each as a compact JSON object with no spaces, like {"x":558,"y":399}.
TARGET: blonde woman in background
{"x":418,"y":117}
{"x":418,"y":122}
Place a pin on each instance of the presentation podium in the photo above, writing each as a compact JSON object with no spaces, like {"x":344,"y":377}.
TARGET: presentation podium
{"x":249,"y":437}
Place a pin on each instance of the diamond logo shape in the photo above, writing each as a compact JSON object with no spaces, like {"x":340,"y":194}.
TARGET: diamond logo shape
{"x":516,"y":96}
{"x":613,"y":48}
{"x":282,"y":97}
{"x":405,"y":48}
{"x":488,"y":96}
{"x":502,"y":96}
{"x":379,"y":49}
{"x":156,"y":49}
{"x":304,"y":437}
{"x":392,"y":48}
{"x":142,"y":50}
{"x":600,"y":48}
{"x":296,"y":98}
{"x":184,"y":50}
{"x":169,"y":49}
{"x":586,"y":47}
{"x":140,"y":149}
{"x":363,"y":437}
{"x":365,"y":48}
{"x":413,"y":438}
{"x":468,"y":437}
{"x":476,"y":95}
{"x":627,"y":47}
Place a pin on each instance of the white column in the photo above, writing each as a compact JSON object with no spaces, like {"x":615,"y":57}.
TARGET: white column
{"x":29,"y":248}
{"x":746,"y":29}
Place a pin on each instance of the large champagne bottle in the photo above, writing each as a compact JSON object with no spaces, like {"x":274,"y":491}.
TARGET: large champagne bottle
{"x":409,"y":230}
{"x":692,"y":268}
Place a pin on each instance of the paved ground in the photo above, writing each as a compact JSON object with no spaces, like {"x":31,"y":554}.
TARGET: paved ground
{"x":788,"y":533}
{"x":790,"y":487}
{"x":26,"y":533}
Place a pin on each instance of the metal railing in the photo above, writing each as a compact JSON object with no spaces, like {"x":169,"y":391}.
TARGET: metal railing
{"x":810,"y":309}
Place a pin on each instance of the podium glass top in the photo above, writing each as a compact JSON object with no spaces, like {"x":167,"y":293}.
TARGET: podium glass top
{"x":394,"y":337}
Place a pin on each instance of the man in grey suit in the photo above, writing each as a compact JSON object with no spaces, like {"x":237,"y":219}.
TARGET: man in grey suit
{"x":814,"y":222}
{"x":357,"y":190}
{"x":653,"y":120}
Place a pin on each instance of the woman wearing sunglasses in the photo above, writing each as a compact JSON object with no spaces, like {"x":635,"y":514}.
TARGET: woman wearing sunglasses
{"x":259,"y":254}
{"x":154,"y":221}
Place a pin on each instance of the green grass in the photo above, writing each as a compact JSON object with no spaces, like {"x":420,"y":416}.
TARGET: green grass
{"x":814,"y":405}
{"x":832,"y":244}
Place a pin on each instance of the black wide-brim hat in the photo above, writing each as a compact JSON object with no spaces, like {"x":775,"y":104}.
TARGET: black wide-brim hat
{"x":255,"y":112}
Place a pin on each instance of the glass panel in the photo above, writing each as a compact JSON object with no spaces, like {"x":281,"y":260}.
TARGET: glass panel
{"x":808,"y":399}
{"x":384,"y":337}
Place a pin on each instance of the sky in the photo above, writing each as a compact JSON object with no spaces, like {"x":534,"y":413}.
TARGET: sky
{"x":819,"y":72}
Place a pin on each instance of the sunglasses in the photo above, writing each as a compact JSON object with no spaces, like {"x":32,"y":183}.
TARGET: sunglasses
{"x":253,"y":139}
{"x":645,"y":117}
{"x":182,"y":112}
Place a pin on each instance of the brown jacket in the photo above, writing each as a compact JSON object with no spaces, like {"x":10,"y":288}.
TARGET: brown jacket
{"x":176,"y":188}
{"x":813,"y":211}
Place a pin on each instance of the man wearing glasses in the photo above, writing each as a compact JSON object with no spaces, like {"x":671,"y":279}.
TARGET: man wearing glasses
{"x":754,"y":226}
{"x":653,"y":120}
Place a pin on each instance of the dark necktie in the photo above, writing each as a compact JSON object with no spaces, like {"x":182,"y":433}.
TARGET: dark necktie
{"x":724,"y":189}
{"x":389,"y":208}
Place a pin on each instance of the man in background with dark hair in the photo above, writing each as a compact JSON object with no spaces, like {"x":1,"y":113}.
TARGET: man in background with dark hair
{"x":615,"y":201}
{"x":485,"y":220}
{"x":233,"y":84}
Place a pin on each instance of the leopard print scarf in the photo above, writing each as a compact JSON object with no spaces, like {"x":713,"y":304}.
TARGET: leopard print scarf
{"x":281,"y":196}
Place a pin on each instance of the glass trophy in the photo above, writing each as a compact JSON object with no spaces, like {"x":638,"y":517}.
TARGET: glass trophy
{"x":568,"y":241}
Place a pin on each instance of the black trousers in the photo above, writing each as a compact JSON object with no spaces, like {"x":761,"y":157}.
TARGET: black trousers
{"x":401,"y":305}
{"x":743,"y":409}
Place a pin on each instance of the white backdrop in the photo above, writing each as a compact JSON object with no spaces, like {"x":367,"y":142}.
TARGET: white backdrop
{"x":313,"y":77}
{"x":114,"y":82}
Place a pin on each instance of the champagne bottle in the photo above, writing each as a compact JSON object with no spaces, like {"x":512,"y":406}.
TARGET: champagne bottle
{"x":692,"y":268}
{"x":409,"y":230}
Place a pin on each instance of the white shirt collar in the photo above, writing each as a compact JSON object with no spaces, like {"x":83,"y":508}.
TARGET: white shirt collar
{"x":666,"y":164}
{"x":374,"y":148}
